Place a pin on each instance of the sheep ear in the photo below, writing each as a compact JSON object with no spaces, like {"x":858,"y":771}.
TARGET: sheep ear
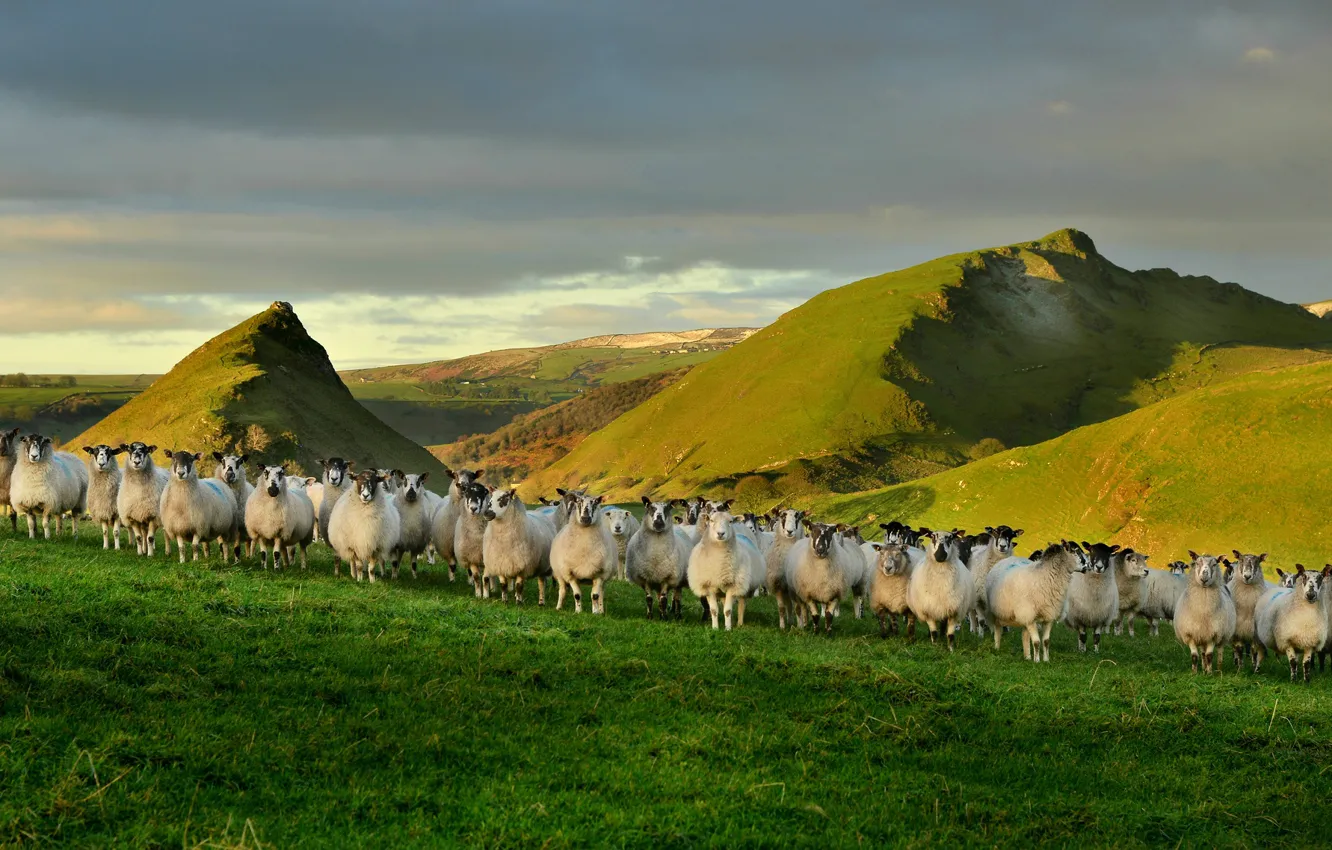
{"x":1193,"y":554}
{"x":167,"y":453}
{"x":151,"y":449}
{"x":90,"y":450}
{"x":679,"y":520}
{"x":120,"y":450}
{"x":1237,"y":554}
{"x":1086,"y":545}
{"x":451,"y":473}
{"x":323,"y":463}
{"x":1262,"y":557}
{"x":478,"y":473}
{"x":1299,"y":569}
{"x":726,"y":505}
{"x":1327,"y":570}
{"x":646,"y":500}
{"x":244,"y":458}
{"x":877,"y":547}
{"x":217,"y":456}
{"x":423,"y":476}
{"x":124,"y":447}
{"x":563,"y":492}
{"x":885,"y":526}
{"x":1114,"y":547}
{"x":1281,"y":572}
{"x":198,"y":456}
{"x":350,"y":464}
{"x":1017,"y":533}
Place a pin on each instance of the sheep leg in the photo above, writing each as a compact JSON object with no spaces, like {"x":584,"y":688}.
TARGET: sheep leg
{"x":32,"y":526}
{"x":677,"y":606}
{"x":1082,"y":640}
{"x":336,"y":565}
{"x":740,"y":611}
{"x":1259,"y":653}
{"x":1290,"y":654}
{"x":577,"y":592}
{"x":1193,"y":658}
{"x":934,"y":630}
{"x":599,"y":597}
{"x":651,"y":601}
{"x":303,"y":563}
{"x":414,"y":557}
{"x":286,"y":553}
{"x":1237,"y":650}
{"x":883,"y":624}
{"x":397,"y":559}
{"x":1096,"y":641}
{"x":860,"y":607}
{"x":46,"y":525}
{"x":1155,"y":629}
{"x":106,"y":536}
{"x":453,"y":567}
{"x":263,"y":553}
{"x":150,"y":539}
{"x":370,"y":565}
{"x":951,"y":627}
{"x":430,"y":558}
{"x":729,"y":602}
{"x":663,"y":599}
{"x":1308,"y":665}
{"x":703,"y":600}
{"x":1045,"y":641}
{"x":13,"y":519}
{"x":60,"y":525}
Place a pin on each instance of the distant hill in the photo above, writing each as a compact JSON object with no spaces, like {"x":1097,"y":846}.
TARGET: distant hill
{"x":595,"y":359}
{"x":916,"y":371}
{"x":1319,"y":308}
{"x":1238,"y":465}
{"x":536,"y":440}
{"x":265,"y":387}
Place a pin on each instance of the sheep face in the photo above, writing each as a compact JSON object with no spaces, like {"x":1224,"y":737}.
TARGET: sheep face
{"x":1099,"y":556}
{"x":501,"y":502}
{"x":657,"y":515}
{"x":336,"y":470}
{"x":1005,"y":538}
{"x":233,"y":466}
{"x":618,"y":520}
{"x":893,"y":559}
{"x":789,"y":523}
{"x":1178,"y":568}
{"x":1207,"y":569}
{"x":945,"y":545}
{"x":694,"y":511}
{"x":586,"y":510}
{"x":413,"y":486}
{"x":366,"y":484}
{"x":7,"y":442}
{"x":1135,"y":563}
{"x":1250,"y":567}
{"x":183,"y":464}
{"x":475,"y":497}
{"x":851,"y":534}
{"x":274,"y":481}
{"x":719,"y":526}
{"x":1309,"y":583}
{"x":393,"y":479}
{"x":821,"y":537}
{"x":36,"y":448}
{"x":568,"y":499}
{"x":103,"y":456}
{"x":464,"y":477}
{"x":140,"y":455}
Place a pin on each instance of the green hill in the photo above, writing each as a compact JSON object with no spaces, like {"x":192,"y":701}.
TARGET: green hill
{"x":903,"y":375}
{"x":1239,"y":465}
{"x":266,"y":387}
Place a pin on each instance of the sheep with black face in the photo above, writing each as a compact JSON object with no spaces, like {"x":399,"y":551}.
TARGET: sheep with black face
{"x":941,"y":591}
{"x":139,"y":502}
{"x":104,"y":478}
{"x":416,"y":516}
{"x":363,"y":527}
{"x":194,"y":510}
{"x":47,"y":483}
{"x":1296,"y":622}
{"x":1029,"y":593}
{"x":444,"y":527}
{"x":657,"y":556}
{"x":1093,"y":596}
{"x":469,"y":536}
{"x":816,"y":572}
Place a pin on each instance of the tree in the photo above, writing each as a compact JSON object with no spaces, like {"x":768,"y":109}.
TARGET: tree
{"x":67,"y":381}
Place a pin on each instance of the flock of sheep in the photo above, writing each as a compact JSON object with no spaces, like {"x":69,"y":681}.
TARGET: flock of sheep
{"x":375,"y":518}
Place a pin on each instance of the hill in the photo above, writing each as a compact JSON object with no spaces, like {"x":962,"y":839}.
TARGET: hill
{"x":1319,"y":308}
{"x":903,"y":375}
{"x":537,"y":440}
{"x":1239,"y":465}
{"x":597,"y":359}
{"x":265,"y":387}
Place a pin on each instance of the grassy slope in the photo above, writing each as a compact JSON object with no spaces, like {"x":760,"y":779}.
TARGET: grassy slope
{"x":1242,"y":464}
{"x":145,"y":703}
{"x":1018,"y":344}
{"x":266,"y":386}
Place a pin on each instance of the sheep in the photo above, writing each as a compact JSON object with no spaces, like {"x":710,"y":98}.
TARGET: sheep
{"x":993,"y":546}
{"x":756,"y":532}
{"x":564,"y":507}
{"x":1029,"y":592}
{"x":469,"y":536}
{"x":890,"y":580}
{"x":622,"y":525}
{"x":692,"y":521}
{"x":279,"y":513}
{"x":231,"y":471}
{"x":140,"y":499}
{"x":516,"y":545}
{"x":657,"y":556}
{"x":941,"y":589}
{"x":722,"y":568}
{"x":1296,"y":621}
{"x":445,"y":525}
{"x":196,"y":510}
{"x":337,"y":483}
{"x":47,"y":482}
{"x":817,"y":571}
{"x":584,"y":551}
{"x":363,"y":525}
{"x":790,"y":529}
{"x":1130,"y":569}
{"x":103,"y":490}
{"x":8,"y":457}
{"x":1161,"y":590}
{"x":416,"y":516}
{"x":1205,"y":614}
{"x":1093,"y":596}
{"x":856,"y":565}
{"x":1246,"y":588}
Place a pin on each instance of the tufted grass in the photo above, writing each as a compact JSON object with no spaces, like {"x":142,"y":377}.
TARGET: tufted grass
{"x":152,"y":704}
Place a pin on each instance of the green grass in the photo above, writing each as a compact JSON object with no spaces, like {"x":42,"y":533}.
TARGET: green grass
{"x":1238,"y":465}
{"x":900,"y":374}
{"x":634,"y":368}
{"x":152,"y":704}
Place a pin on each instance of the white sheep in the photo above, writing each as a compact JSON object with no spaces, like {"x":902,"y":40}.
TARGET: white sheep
{"x":941,"y":588}
{"x":889,"y":583}
{"x":816,"y":572}
{"x":337,"y":483}
{"x":1205,"y":614}
{"x":657,"y":556}
{"x":231,"y":471}
{"x":622,"y":526}
{"x":195,"y":510}
{"x":722,"y":568}
{"x":991,"y":547}
{"x":790,"y":529}
{"x":445,"y":526}
{"x":1246,"y":587}
{"x":1161,"y":590}
{"x":49,"y":483}
{"x":468,"y":538}
{"x":1093,"y":596}
{"x":858,"y":564}
{"x":279,"y":514}
{"x":140,"y":501}
{"x":564,"y":507}
{"x":1028,"y":592}
{"x":584,"y":551}
{"x":1296,"y":621}
{"x":416,"y":516}
{"x":363,"y":525}
{"x":516,"y":545}
{"x":1130,"y":569}
{"x":8,"y":457}
{"x":103,"y":490}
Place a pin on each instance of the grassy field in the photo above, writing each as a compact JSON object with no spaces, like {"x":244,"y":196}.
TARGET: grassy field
{"x":898,"y":376}
{"x":152,"y":704}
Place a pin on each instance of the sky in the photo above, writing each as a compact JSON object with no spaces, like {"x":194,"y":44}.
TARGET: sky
{"x":426,"y":180}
